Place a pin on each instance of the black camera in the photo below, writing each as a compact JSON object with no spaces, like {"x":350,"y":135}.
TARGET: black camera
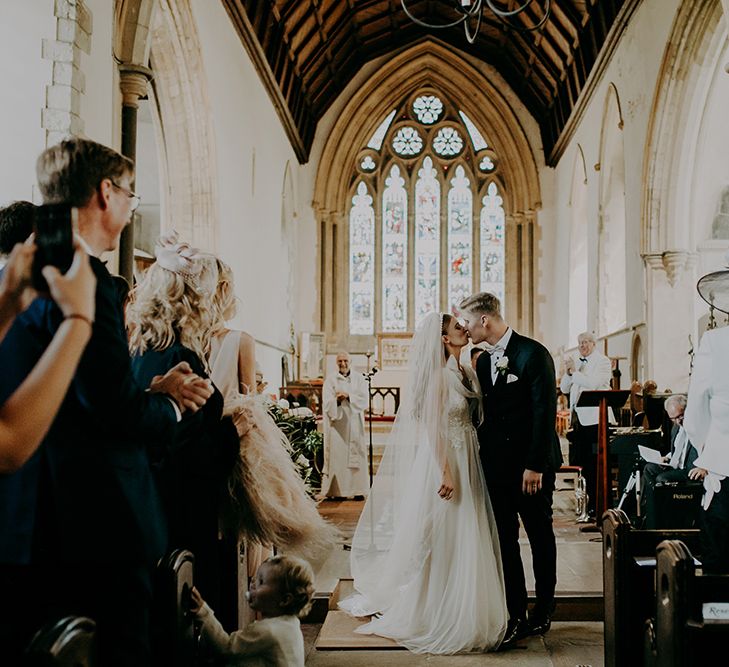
{"x":54,"y":226}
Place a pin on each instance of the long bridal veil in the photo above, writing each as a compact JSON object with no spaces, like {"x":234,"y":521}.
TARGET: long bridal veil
{"x":421,"y":422}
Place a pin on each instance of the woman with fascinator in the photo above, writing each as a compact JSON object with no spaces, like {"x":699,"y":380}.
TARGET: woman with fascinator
{"x":169,"y":318}
{"x":425,"y":555}
{"x":268,"y":503}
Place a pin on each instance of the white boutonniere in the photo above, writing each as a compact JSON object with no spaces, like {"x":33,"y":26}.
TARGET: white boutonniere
{"x":502,"y":365}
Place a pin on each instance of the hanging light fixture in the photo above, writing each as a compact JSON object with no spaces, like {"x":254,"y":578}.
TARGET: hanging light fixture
{"x":472,"y":10}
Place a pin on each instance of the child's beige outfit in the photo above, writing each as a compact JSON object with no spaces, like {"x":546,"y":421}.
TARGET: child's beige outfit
{"x":272,"y":642}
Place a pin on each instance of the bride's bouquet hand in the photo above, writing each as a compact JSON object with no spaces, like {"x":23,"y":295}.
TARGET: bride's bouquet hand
{"x":446,"y":487}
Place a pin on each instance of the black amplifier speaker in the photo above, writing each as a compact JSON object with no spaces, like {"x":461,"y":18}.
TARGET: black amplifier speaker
{"x":678,"y":504}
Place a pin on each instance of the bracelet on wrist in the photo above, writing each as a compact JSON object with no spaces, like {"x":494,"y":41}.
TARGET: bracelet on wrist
{"x":79,"y":316}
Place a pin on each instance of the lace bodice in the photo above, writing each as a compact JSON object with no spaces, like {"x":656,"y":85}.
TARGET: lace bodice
{"x":463,"y":401}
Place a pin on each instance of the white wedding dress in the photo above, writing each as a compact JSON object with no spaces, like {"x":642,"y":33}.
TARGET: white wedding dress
{"x":429,"y":570}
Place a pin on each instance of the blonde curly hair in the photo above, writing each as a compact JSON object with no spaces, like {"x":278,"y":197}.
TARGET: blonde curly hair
{"x":295,"y":578}
{"x":224,"y":301}
{"x":164,"y":307}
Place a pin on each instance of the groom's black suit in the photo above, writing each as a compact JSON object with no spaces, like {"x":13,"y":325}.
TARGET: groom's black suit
{"x":518,"y":433}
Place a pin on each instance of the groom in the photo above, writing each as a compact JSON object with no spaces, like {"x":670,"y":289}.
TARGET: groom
{"x":519,"y":453}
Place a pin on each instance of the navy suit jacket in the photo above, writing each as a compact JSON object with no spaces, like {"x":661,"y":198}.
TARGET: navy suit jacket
{"x":518,"y":431}
{"x":191,"y":468}
{"x":87,"y":495}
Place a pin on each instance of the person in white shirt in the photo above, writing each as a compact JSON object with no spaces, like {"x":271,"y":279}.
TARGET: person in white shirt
{"x":281,"y":593}
{"x":345,"y":448}
{"x":587,"y":371}
{"x":707,"y":425}
{"x":676,"y":466}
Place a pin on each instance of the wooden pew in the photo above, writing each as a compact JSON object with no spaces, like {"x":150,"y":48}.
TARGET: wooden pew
{"x":68,"y":642}
{"x":682,"y":632}
{"x":176,"y":636}
{"x":629,"y":583}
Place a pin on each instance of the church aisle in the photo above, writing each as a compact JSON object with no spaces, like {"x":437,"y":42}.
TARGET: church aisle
{"x":568,"y":643}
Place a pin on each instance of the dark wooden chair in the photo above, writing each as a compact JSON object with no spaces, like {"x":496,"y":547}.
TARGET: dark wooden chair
{"x":68,"y":642}
{"x":176,"y":636}
{"x":629,"y":564}
{"x":686,"y":630}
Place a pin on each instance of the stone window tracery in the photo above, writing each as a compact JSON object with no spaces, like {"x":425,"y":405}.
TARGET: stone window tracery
{"x":426,"y":217}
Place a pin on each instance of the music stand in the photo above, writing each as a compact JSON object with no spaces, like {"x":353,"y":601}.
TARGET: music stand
{"x":603,"y":399}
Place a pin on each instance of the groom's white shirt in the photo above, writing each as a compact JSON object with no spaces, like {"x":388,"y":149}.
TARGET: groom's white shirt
{"x":498,"y":351}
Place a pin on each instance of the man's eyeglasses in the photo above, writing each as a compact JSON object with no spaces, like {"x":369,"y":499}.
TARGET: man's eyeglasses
{"x":136,"y":199}
{"x":678,"y":419}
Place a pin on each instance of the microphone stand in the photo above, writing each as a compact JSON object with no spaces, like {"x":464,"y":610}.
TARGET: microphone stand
{"x":372,"y":548}
{"x":368,"y":377}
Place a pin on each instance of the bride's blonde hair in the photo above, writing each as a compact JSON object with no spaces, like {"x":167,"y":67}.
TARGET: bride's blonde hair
{"x":164,"y":307}
{"x":224,"y":301}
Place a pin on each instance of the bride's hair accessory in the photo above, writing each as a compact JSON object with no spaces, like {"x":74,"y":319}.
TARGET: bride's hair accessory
{"x":179,"y":257}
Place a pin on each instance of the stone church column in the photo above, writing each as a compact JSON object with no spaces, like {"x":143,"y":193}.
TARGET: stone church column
{"x":669,"y":288}
{"x":133,"y":81}
{"x":519,"y":306}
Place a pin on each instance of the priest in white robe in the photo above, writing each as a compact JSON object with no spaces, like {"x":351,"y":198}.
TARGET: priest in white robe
{"x":345,"y":449}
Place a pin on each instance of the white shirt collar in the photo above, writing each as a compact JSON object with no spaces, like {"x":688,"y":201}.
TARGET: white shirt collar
{"x":504,"y":340}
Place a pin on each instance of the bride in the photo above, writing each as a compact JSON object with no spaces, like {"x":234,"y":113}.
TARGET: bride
{"x":425,"y":555}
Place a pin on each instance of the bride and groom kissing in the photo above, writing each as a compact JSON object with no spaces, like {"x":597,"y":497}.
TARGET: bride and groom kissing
{"x":435,"y":557}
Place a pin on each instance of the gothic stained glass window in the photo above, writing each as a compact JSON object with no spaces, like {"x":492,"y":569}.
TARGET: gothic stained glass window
{"x":427,"y":241}
{"x":460,"y":239}
{"x":362,"y":263}
{"x":492,"y":243}
{"x":394,"y":252}
{"x":379,"y":136}
{"x":407,"y":141}
{"x":421,"y":238}
{"x":428,"y":109}
{"x":447,"y":142}
{"x":479,"y":143}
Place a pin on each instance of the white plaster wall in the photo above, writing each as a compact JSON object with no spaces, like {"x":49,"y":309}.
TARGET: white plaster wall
{"x":101,"y":101}
{"x":633,"y":70}
{"x":709,"y":176}
{"x":252,"y":151}
{"x":24,"y":76}
{"x":147,"y":181}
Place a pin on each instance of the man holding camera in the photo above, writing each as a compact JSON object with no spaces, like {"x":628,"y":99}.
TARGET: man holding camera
{"x":89,"y":542}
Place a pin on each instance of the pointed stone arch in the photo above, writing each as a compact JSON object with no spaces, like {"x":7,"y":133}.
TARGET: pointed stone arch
{"x":133,"y":19}
{"x":684,"y":75}
{"x":579,"y":276}
{"x":187,"y":141}
{"x":429,"y":64}
{"x":612,"y":224}
{"x":692,"y":62}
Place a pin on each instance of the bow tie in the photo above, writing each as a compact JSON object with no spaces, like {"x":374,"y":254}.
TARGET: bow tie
{"x":496,"y":349}
{"x":583,"y":360}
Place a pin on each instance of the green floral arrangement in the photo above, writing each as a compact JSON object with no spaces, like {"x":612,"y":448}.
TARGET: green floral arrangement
{"x":307,"y":444}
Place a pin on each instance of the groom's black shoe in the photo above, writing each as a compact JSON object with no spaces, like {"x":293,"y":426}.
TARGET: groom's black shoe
{"x":540,"y":619}
{"x":515,"y":630}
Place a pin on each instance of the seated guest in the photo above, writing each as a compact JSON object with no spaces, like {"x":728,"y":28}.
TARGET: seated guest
{"x":26,"y":415}
{"x":169,"y":319}
{"x":678,"y":463}
{"x":281,"y":593}
{"x":707,"y":426}
{"x":591,"y":370}
{"x":16,"y":225}
{"x":81,"y":523}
